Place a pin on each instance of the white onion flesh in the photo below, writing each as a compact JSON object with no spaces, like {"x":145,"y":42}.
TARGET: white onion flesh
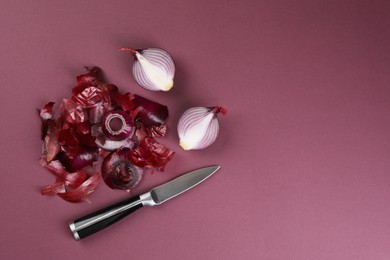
{"x":154,"y":69}
{"x":198,"y":128}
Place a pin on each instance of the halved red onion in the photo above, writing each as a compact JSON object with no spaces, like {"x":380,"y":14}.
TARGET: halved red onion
{"x":198,"y":127}
{"x":119,"y":173}
{"x":150,"y":112}
{"x":153,"y":68}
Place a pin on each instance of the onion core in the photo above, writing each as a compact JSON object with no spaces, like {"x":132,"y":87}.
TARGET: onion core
{"x":118,"y":125}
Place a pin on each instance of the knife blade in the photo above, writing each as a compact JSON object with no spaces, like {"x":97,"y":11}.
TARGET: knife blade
{"x":96,"y":221}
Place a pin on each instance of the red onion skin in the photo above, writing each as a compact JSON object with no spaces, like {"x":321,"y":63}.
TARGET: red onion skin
{"x":76,"y":134}
{"x":72,"y":187}
{"x":130,"y":50}
{"x":156,"y":131}
{"x":51,"y":146}
{"x":123,"y":101}
{"x":72,"y":179}
{"x":84,"y":135}
{"x":104,"y":143}
{"x":219,"y":109}
{"x":90,"y":96}
{"x":151,"y":154}
{"x":78,"y":157}
{"x":81,"y":193}
{"x":71,"y":112}
{"x":119,"y":173}
{"x":47,"y":111}
{"x":46,"y":115}
{"x":88,"y":78}
{"x":96,"y":114}
{"x":67,"y":136}
{"x":53,"y":189}
{"x":49,"y":132}
{"x":150,"y":112}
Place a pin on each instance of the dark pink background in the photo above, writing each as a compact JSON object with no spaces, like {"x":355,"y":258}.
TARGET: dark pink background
{"x":304,"y":150}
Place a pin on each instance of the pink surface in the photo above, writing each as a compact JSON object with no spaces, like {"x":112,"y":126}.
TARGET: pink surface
{"x":304,"y":150}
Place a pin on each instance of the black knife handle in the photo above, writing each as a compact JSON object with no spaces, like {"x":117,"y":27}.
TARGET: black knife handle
{"x":103,"y":218}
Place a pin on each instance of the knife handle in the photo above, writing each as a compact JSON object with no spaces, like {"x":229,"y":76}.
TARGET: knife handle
{"x":96,"y":221}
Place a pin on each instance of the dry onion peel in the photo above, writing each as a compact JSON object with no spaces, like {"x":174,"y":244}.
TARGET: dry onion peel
{"x":72,"y":187}
{"x":151,"y":154}
{"x":81,"y":192}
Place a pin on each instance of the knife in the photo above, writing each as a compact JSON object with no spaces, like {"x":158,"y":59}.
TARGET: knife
{"x":103,"y":218}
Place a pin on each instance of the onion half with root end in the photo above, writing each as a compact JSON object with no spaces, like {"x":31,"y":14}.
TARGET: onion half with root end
{"x":153,"y":68}
{"x":198,"y":127}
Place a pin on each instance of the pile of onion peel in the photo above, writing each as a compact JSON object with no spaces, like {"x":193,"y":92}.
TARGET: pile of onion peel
{"x":99,"y":121}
